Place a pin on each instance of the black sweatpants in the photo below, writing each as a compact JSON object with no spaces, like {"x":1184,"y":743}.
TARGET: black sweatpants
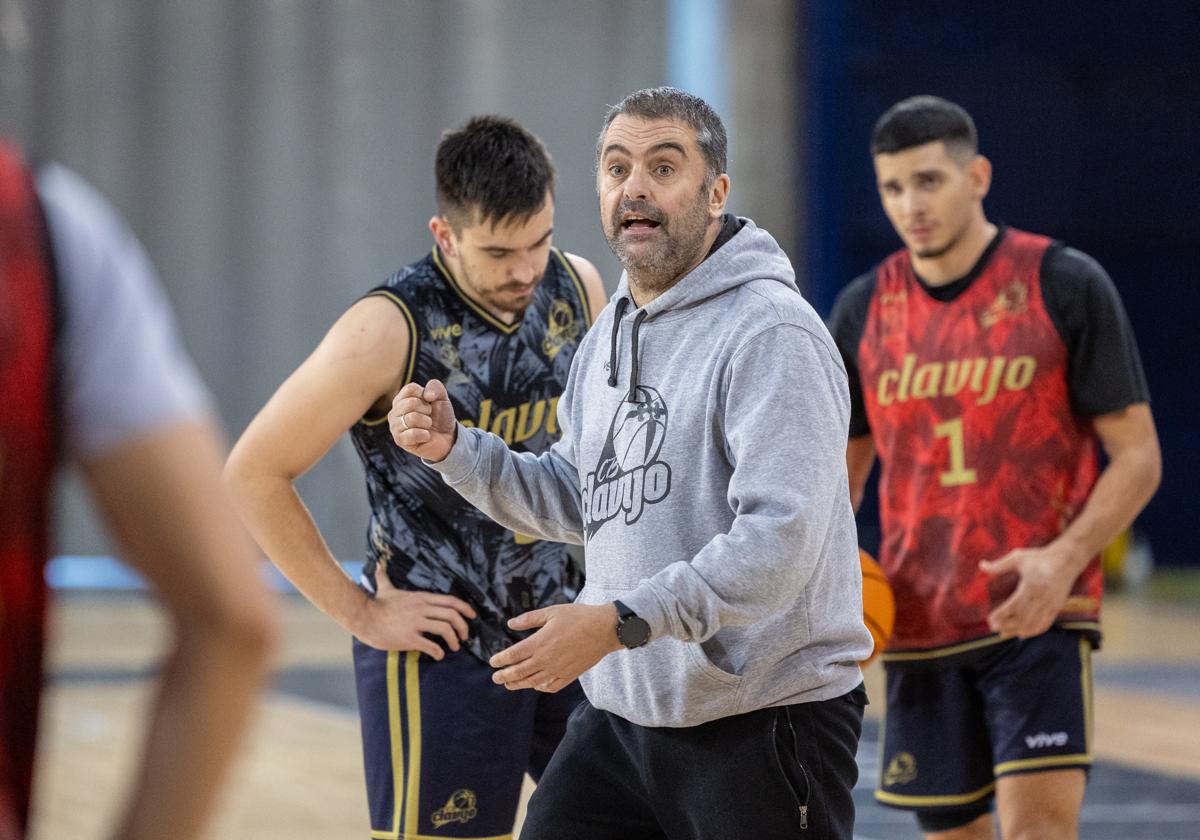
{"x":783,"y":772}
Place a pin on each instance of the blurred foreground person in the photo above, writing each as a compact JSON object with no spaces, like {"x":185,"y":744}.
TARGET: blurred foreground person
{"x":91,"y":371}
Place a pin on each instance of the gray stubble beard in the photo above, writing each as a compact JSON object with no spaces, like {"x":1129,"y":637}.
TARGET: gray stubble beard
{"x":663,"y":267}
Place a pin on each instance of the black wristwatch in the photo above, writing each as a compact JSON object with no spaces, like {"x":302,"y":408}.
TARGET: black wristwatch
{"x":632,"y":630}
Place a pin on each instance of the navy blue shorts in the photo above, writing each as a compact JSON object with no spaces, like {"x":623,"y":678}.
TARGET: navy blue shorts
{"x":445,"y":748}
{"x":1014,"y":707}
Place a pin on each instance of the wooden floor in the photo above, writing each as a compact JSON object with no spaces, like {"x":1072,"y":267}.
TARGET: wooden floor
{"x":300,"y":774}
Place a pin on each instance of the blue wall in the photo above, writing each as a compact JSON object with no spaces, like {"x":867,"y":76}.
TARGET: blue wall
{"x":1090,"y":113}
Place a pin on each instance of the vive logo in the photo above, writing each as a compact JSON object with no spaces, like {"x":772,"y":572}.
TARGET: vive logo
{"x":459,"y":808}
{"x":446,"y":332}
{"x":1045,"y":739}
{"x":628,"y":474}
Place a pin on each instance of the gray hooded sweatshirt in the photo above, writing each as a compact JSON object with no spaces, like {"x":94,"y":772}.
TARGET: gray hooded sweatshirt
{"x":703,"y":465}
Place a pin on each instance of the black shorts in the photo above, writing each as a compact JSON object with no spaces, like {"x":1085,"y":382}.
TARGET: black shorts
{"x":445,"y":748}
{"x":1016,"y":707}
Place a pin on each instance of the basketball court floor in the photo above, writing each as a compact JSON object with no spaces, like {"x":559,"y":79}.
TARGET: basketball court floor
{"x":300,"y":775}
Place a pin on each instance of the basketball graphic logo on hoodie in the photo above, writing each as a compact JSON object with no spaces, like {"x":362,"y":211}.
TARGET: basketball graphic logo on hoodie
{"x":627,"y":476}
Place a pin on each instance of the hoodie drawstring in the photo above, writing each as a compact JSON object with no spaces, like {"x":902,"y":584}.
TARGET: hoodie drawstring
{"x":622,"y":304}
{"x":633,"y":349}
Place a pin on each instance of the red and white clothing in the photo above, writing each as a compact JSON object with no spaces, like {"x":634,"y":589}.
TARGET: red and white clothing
{"x":89,"y":360}
{"x":979,"y":397}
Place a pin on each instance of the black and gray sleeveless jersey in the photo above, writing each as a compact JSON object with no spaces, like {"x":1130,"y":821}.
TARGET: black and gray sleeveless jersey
{"x":506,"y":378}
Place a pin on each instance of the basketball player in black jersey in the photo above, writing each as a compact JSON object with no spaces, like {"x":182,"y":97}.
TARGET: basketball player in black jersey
{"x":497,"y":313}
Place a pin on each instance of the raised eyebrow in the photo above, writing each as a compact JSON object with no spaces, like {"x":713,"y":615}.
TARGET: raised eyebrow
{"x":669,"y":146}
{"x":665,"y":146}
{"x":617,"y":148}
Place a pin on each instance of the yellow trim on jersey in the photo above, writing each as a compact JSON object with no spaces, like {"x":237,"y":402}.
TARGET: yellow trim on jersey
{"x":974,"y":644}
{"x":928,"y":801}
{"x":507,"y":329}
{"x":584,"y":303}
{"x":412,"y":345}
{"x":412,"y":799}
{"x":937,"y":653}
{"x":406,"y":793}
{"x":1041,"y":763}
{"x":397,"y":736}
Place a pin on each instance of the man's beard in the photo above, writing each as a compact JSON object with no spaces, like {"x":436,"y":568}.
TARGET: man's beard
{"x":934,"y":253}
{"x":499,"y":299}
{"x":658,"y":267}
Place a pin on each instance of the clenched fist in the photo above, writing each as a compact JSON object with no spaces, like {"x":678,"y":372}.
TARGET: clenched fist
{"x":422,"y":420}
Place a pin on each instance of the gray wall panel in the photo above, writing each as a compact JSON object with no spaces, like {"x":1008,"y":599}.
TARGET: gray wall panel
{"x":276,"y":156}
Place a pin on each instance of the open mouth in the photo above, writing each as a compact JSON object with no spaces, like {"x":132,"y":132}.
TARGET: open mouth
{"x":635,"y":222}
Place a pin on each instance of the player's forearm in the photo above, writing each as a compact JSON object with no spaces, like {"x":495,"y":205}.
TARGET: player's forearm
{"x":200,"y":713}
{"x":161,"y":496}
{"x":1123,"y":489}
{"x":532,"y":494}
{"x":284,"y":529}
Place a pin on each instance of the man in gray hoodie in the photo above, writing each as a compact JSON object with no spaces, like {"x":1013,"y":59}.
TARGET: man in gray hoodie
{"x":701,"y":464}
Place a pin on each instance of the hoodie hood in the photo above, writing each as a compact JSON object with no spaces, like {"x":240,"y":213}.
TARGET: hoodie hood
{"x":751,"y":254}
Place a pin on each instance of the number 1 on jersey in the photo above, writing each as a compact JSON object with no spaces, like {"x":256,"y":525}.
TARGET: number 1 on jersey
{"x":958,"y":474}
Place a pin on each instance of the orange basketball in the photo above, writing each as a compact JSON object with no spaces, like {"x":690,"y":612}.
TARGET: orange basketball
{"x":879,"y":607}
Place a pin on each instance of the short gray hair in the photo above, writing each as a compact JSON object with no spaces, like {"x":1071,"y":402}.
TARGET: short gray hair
{"x":668,"y":103}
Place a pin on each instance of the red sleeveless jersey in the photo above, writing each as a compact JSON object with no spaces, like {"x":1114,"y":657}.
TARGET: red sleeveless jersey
{"x":26,"y":465}
{"x":980,"y":451}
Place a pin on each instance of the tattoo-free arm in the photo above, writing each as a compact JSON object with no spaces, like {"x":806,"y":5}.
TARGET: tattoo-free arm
{"x":1123,"y":489}
{"x":160,"y":495}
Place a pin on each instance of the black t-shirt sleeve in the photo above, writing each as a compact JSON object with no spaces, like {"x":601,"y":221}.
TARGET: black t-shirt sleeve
{"x":846,"y":324}
{"x":1104,"y":370}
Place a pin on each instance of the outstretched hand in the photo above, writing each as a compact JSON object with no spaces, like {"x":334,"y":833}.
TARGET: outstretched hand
{"x":422,"y":420}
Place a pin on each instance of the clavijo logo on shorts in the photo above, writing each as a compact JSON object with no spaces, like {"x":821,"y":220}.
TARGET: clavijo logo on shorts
{"x":901,"y":770}
{"x":459,"y":808}
{"x":628,"y":474}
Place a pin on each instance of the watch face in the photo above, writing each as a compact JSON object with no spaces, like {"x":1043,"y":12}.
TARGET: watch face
{"x":633,"y":632}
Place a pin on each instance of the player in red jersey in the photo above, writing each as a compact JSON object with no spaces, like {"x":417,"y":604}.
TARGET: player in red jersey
{"x":985,"y":364}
